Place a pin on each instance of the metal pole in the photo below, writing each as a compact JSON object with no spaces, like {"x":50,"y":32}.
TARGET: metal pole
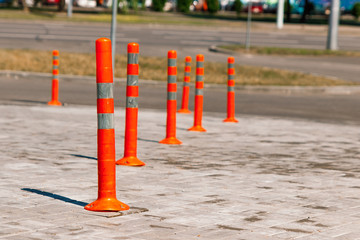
{"x":113,"y":32}
{"x":69,"y":9}
{"x":248,"y":26}
{"x":332,"y":39}
{"x":280,"y":14}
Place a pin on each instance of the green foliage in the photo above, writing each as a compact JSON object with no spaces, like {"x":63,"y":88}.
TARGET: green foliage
{"x":158,"y":5}
{"x":12,"y":3}
{"x":287,"y":10}
{"x":309,"y":7}
{"x":213,"y":6}
{"x":134,"y":5}
{"x":355,"y":11}
{"x":238,"y":5}
{"x":287,"y":7}
{"x":143,"y":7}
{"x":123,"y":6}
{"x":183,"y":5}
{"x":61,"y":5}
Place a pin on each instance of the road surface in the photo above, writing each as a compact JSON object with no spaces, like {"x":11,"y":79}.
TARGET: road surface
{"x":335,"y":108}
{"x":156,"y":40}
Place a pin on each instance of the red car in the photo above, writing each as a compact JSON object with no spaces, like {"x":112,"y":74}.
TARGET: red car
{"x":51,"y":2}
{"x":255,"y":8}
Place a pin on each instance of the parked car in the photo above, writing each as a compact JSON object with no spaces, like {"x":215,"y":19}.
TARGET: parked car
{"x":85,"y":3}
{"x":127,"y":4}
{"x":198,"y":5}
{"x":51,"y":2}
{"x":269,"y":8}
{"x":255,"y":7}
{"x":29,"y":3}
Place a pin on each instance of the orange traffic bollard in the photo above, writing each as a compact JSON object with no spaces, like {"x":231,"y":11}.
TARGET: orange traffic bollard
{"x":131,"y":119}
{"x":55,"y":81}
{"x":231,"y":92}
{"x":106,"y":135}
{"x":186,"y":87}
{"x":199,"y":92}
{"x":171,"y":101}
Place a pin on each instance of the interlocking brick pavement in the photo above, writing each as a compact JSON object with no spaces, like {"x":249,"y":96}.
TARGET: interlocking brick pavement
{"x":263,"y":178}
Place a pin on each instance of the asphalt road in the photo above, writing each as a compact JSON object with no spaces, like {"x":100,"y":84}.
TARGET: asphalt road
{"x":156,"y":40}
{"x":338,"y":108}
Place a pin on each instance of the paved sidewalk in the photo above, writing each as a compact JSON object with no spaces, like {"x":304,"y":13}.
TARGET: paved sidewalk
{"x":263,"y":178}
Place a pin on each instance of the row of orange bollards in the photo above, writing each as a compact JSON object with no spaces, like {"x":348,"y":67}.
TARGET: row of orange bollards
{"x":107,"y":200}
{"x":132,"y":88}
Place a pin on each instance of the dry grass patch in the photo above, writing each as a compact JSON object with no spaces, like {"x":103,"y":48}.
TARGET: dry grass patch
{"x":155,"y":68}
{"x":129,"y":18}
{"x":289,"y":51}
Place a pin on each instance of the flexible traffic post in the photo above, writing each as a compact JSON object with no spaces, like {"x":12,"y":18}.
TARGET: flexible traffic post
{"x":171,"y":101}
{"x":186,"y":87}
{"x":231,"y":91}
{"x":55,"y":81}
{"x":131,"y":118}
{"x":107,"y":200}
{"x":199,"y":95}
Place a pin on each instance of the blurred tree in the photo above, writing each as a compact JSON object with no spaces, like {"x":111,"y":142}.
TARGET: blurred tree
{"x":158,"y":5}
{"x":134,"y":5}
{"x":36,"y":3}
{"x":355,"y":11}
{"x":61,"y":5}
{"x":183,"y":5}
{"x":24,"y":5}
{"x":288,"y":9}
{"x":309,"y":6}
{"x":213,"y":6}
{"x":238,"y":7}
{"x":143,"y":7}
{"x":123,"y":6}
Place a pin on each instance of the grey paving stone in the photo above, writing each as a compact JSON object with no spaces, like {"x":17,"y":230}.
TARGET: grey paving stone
{"x":263,"y":178}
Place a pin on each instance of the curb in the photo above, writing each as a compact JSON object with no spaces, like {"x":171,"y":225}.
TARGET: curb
{"x":21,"y":74}
{"x":335,"y":90}
{"x":288,"y":90}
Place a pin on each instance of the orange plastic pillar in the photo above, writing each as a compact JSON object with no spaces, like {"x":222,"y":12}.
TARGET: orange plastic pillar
{"x":131,"y":118}
{"x":55,"y":81}
{"x":171,"y":101}
{"x":199,"y":85}
{"x":231,"y":92}
{"x":186,"y":87}
{"x":106,"y":135}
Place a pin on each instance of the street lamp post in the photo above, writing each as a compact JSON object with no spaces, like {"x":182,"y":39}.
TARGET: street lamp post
{"x":280,"y":14}
{"x":113,"y":32}
{"x":332,"y":39}
{"x":69,"y":9}
{"x":248,"y":26}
